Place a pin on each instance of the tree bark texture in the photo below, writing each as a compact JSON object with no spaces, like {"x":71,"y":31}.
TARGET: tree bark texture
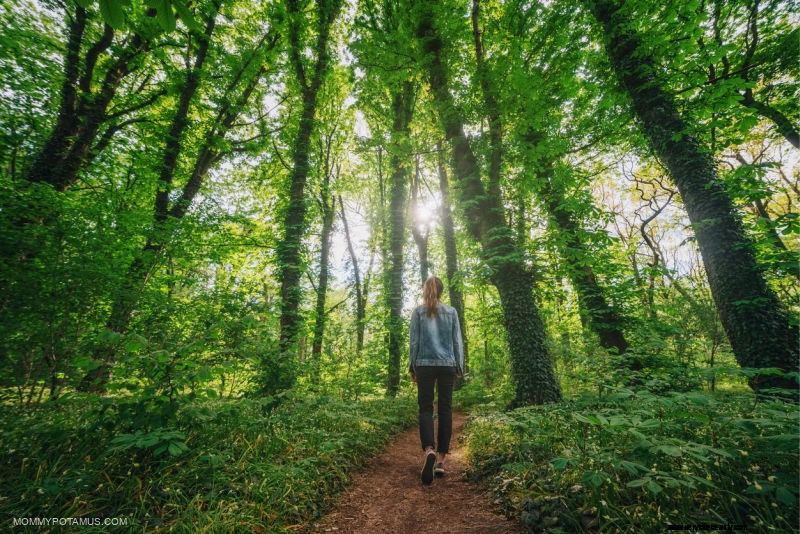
{"x":531,"y":366}
{"x":289,"y":254}
{"x":402,"y":110}
{"x":757,"y":326}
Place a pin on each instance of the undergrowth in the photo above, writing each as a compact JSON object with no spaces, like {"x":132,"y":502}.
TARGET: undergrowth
{"x":226,"y":466}
{"x":633,"y":461}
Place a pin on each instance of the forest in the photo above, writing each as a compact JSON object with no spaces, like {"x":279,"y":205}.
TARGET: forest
{"x":216,"y":217}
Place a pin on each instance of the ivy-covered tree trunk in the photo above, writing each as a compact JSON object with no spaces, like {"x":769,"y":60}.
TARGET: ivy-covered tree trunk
{"x":531,"y":366}
{"x":758,"y":327}
{"x":328,"y":208}
{"x":82,"y":110}
{"x":402,"y":109}
{"x":290,"y":265}
{"x":451,"y":252}
{"x":600,"y":315}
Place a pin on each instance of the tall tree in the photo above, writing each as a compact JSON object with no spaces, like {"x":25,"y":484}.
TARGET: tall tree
{"x":361,"y":304}
{"x":327,"y":207}
{"x":402,"y":110}
{"x":531,"y":366}
{"x":451,"y":251}
{"x":599,"y":314}
{"x":89,"y":86}
{"x":309,"y":78}
{"x":167,"y":213}
{"x":420,"y":236}
{"x":388,"y":93}
{"x":757,"y":325}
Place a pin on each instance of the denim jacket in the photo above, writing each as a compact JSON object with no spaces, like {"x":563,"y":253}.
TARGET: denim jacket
{"x":435,"y":340}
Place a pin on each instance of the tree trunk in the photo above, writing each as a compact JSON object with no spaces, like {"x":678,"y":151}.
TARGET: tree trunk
{"x":360,"y":298}
{"x":757,"y":326}
{"x":288,"y":250}
{"x":451,"y":253}
{"x":402,"y":109}
{"x":328,"y":208}
{"x":146,"y":261}
{"x":81,"y":111}
{"x":781,"y":121}
{"x":600,"y":315}
{"x":420,"y":238}
{"x":531,"y":365}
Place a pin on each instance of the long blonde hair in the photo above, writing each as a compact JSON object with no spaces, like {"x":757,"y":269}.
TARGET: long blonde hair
{"x":431,"y":293}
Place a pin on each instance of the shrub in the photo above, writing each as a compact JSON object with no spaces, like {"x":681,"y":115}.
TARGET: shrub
{"x":232,"y":465}
{"x":634,"y":461}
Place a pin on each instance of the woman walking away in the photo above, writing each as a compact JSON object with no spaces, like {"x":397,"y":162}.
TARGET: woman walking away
{"x":436,"y":356}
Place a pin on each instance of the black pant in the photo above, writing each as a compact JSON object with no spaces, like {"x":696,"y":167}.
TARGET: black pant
{"x":426,"y":378}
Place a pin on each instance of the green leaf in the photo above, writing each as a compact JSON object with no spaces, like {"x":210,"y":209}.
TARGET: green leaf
{"x":649,"y":424}
{"x":592,"y":420}
{"x":594,"y":478}
{"x":785,"y":496}
{"x":135,"y":342}
{"x":654,"y":487}
{"x":561,"y":463}
{"x":632,"y":467}
{"x":84,"y":3}
{"x":111,"y":11}
{"x":165,"y":15}
{"x":174,"y":449}
{"x":671,"y":450}
{"x":639,"y":482}
{"x":86,"y":364}
{"x":186,"y":15}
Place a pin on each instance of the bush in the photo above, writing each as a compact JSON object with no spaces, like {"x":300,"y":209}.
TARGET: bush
{"x":256,"y":465}
{"x":635,"y":462}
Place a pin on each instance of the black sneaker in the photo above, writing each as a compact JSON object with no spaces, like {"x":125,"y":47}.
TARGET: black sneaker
{"x":427,"y":468}
{"x":438,"y":469}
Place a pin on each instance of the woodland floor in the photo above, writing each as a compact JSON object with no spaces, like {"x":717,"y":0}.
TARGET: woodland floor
{"x":389,"y":497}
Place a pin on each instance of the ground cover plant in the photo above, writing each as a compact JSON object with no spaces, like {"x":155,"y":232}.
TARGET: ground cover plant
{"x":633,"y":461}
{"x":216,"y":218}
{"x":234,"y":465}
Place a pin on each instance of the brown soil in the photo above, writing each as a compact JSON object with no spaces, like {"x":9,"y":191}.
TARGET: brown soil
{"x":389,"y":497}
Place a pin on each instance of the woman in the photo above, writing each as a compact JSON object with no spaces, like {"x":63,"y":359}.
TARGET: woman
{"x":436,"y":356}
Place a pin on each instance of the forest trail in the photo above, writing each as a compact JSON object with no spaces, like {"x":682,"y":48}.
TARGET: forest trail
{"x":389,"y":497}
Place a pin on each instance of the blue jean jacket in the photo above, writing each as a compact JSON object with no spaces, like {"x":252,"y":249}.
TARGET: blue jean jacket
{"x":435,"y":341}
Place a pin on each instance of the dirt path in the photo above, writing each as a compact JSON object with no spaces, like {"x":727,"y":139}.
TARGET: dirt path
{"x":389,"y":497}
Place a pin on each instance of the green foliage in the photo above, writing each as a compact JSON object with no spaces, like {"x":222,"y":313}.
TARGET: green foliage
{"x":114,"y":12}
{"x":160,"y":441}
{"x":250,"y":464}
{"x":632,"y":461}
{"x":200,"y":323}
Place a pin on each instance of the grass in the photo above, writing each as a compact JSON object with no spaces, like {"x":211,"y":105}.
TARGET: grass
{"x":235,"y":465}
